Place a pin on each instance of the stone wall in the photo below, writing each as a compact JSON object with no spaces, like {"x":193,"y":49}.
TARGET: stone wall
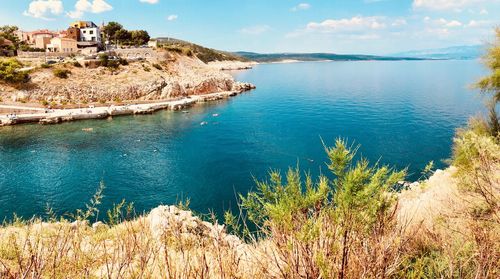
{"x":33,"y":54}
{"x":146,"y":53}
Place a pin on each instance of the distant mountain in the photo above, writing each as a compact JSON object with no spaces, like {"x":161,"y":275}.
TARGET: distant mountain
{"x":279,"y":57}
{"x":455,"y":52}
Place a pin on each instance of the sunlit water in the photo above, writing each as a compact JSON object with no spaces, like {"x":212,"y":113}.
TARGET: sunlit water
{"x":403,"y":113}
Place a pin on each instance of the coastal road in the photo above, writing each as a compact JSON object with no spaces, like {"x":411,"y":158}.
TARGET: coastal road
{"x":21,"y":108}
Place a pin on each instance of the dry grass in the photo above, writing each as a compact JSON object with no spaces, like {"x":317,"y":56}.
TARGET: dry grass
{"x":447,"y":228}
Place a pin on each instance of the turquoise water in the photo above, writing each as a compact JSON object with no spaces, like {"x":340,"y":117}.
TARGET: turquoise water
{"x":404,"y":113}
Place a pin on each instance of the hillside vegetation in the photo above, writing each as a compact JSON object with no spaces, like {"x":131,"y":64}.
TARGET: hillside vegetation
{"x":204,"y":54}
{"x":278,"y":57}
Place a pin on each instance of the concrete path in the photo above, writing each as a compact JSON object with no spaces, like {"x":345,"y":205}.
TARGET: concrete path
{"x":21,"y":108}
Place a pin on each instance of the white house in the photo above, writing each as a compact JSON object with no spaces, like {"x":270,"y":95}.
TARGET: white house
{"x":89,"y":31}
{"x":90,"y":34}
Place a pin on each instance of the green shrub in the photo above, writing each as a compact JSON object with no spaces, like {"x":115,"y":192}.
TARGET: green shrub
{"x":77,"y":64}
{"x":327,"y":224}
{"x":113,"y":64}
{"x":103,"y":60}
{"x":123,"y":61}
{"x":44,"y":103}
{"x":61,"y":73}
{"x":46,"y":66}
{"x":9,"y":71}
{"x":157,"y":66}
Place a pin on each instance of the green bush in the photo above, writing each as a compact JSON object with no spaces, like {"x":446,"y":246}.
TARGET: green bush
{"x":104,"y":61}
{"x":327,"y":224}
{"x":46,"y":66}
{"x":61,"y":73}
{"x":77,"y":64}
{"x":157,"y":66}
{"x":9,"y":71}
{"x":123,"y":62}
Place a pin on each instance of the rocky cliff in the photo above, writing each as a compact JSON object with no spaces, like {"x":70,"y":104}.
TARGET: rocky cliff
{"x":183,"y":76}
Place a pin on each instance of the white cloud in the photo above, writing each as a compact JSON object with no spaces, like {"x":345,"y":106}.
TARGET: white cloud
{"x":453,"y":23}
{"x":301,"y":7}
{"x":456,"y":5}
{"x":357,"y":23}
{"x":358,"y":27}
{"x":172,"y":17}
{"x":91,"y":6}
{"x":255,"y":30}
{"x":443,"y":22}
{"x":149,"y":1}
{"x":399,"y":22}
{"x":44,"y":8}
{"x":483,"y":12}
{"x":479,"y":23}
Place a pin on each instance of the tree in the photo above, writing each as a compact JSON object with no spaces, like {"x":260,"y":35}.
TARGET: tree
{"x":140,"y":37}
{"x":9,"y":32}
{"x":111,"y":28}
{"x":123,"y":36}
{"x":491,"y":83}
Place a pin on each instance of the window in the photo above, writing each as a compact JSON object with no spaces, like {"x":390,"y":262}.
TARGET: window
{"x":91,"y":32}
{"x":84,"y":32}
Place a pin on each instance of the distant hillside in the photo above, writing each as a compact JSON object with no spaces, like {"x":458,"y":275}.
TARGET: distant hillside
{"x":455,"y":52}
{"x":204,"y":54}
{"x":277,"y":57}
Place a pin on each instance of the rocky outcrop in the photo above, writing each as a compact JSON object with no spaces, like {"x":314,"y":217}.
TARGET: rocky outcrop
{"x":136,"y":81}
{"x":170,"y":219}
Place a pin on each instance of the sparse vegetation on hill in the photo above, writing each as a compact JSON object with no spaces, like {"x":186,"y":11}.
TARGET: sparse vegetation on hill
{"x":9,"y":71}
{"x":61,"y":73}
{"x":204,"y":54}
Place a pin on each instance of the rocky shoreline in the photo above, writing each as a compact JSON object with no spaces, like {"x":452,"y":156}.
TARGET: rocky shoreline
{"x":65,"y":115}
{"x":135,"y":88}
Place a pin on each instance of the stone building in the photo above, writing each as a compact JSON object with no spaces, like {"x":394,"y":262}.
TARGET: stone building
{"x":65,"y":45}
{"x":73,"y":33}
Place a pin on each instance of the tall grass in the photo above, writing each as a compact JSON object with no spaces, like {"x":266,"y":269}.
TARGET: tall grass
{"x":290,"y":227}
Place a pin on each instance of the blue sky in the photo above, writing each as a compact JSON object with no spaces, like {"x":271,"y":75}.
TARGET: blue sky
{"x":340,"y":26}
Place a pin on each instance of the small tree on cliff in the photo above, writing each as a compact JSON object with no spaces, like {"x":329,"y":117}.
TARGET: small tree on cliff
{"x":491,"y":83}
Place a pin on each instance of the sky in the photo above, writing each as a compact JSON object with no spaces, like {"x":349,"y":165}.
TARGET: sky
{"x":269,"y":26}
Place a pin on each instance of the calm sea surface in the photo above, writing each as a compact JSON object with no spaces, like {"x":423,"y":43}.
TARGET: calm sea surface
{"x":403,"y":113}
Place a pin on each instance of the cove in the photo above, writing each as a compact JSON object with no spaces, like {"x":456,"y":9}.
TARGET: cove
{"x":403,"y":113}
